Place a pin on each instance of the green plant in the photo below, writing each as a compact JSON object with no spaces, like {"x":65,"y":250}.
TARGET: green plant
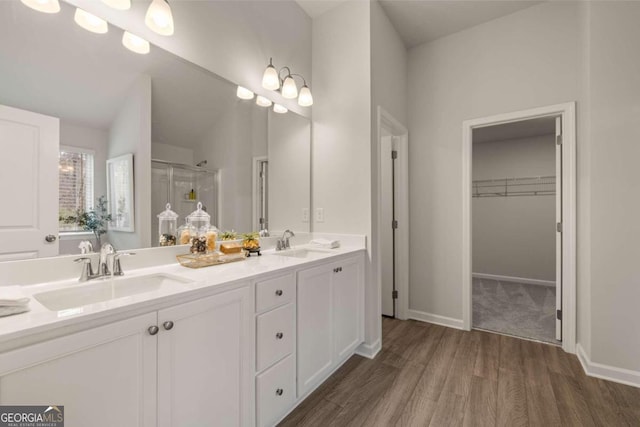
{"x":95,"y":220}
{"x":228,"y":235}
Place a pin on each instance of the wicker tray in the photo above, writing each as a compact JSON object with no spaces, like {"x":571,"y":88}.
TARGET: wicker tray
{"x":207,"y":260}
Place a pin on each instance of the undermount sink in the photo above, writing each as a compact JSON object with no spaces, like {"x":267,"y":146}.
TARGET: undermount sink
{"x":101,"y":290}
{"x":304,"y":253}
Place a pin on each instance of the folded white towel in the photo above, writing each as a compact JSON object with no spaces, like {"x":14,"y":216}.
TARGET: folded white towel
{"x":12,"y":296}
{"x":325,"y":243}
{"x":8,"y":311}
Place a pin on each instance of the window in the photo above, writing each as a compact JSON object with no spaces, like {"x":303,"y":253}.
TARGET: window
{"x":75,"y":168}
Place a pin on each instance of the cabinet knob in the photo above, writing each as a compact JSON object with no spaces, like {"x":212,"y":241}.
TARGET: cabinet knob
{"x":153,"y":330}
{"x":279,"y":292}
{"x":279,"y":335}
{"x":279,"y":392}
{"x":167,"y":325}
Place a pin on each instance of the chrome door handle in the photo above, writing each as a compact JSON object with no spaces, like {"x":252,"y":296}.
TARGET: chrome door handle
{"x":153,"y":330}
{"x":50,"y":238}
{"x":168,"y":325}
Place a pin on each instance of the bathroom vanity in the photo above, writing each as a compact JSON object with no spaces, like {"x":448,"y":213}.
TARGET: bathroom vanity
{"x":233,"y":345}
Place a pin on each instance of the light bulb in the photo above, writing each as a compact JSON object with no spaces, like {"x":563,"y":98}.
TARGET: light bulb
{"x":159,"y":17}
{"x":305,"y":99}
{"x":263,"y":102}
{"x":244,"y":93}
{"x":46,"y":6}
{"x":277,"y":108}
{"x":90,"y":22}
{"x":289,"y":88}
{"x":118,"y":4}
{"x":270,"y":79}
{"x":135,"y":44}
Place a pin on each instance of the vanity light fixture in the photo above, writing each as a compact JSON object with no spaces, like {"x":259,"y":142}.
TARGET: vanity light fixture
{"x":263,"y":102}
{"x":287,"y":86}
{"x":46,"y":6}
{"x":277,"y":108}
{"x":135,"y":44}
{"x":118,"y":4}
{"x":90,"y":22}
{"x":159,"y":17}
{"x":244,"y":93}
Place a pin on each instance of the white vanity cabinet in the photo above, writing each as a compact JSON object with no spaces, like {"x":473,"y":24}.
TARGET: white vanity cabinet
{"x":195,"y":369}
{"x":330,"y":318}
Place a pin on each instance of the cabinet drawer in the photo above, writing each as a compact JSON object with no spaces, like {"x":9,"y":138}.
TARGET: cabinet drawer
{"x":275,"y":336}
{"x":275,"y":391}
{"x":274,"y":292}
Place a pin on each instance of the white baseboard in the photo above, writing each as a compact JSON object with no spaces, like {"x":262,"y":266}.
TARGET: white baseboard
{"x":606,"y":372}
{"x":369,"y":350}
{"x":514,"y":279}
{"x":435,"y":318}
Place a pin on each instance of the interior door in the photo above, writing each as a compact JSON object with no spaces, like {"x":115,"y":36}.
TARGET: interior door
{"x":559,"y":228}
{"x":386,"y":221}
{"x":28,"y":184}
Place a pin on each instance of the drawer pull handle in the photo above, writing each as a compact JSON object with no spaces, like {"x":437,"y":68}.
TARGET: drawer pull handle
{"x":168,"y":325}
{"x":153,"y":330}
{"x":279,"y":335}
{"x":279,"y":292}
{"x":279,"y":392}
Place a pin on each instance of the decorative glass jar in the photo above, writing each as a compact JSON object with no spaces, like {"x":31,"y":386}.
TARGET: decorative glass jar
{"x":167,"y":227}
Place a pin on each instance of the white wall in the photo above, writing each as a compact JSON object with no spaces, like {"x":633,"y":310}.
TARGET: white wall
{"x":530,"y":58}
{"x":75,"y":135}
{"x":341,"y":149}
{"x":289,"y":174}
{"x":130,"y":132}
{"x":234,"y":39}
{"x":233,"y":140}
{"x":615,"y":228}
{"x":172,"y":153}
{"x":515,"y":236}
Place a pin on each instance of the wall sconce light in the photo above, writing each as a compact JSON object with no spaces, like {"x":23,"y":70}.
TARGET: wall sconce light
{"x":135,"y":44}
{"x":118,"y":4}
{"x":159,"y":17}
{"x":45,"y":6}
{"x":287,"y":86}
{"x":90,"y":22}
{"x":244,"y":93}
{"x":277,"y":108}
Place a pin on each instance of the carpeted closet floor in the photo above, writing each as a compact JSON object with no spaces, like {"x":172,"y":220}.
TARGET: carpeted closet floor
{"x":518,"y":309}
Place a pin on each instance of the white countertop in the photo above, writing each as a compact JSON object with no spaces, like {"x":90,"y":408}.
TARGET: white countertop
{"x":204,"y":281}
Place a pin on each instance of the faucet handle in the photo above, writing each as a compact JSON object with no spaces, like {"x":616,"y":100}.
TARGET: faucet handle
{"x":87,"y":269}
{"x":115,"y":266}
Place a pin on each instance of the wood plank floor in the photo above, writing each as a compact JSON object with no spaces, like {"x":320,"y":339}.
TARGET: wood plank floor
{"x":429,"y":375}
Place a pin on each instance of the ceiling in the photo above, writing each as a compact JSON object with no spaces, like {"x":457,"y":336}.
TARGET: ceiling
{"x":515,"y":130}
{"x":83,"y":78}
{"x":422,"y":21}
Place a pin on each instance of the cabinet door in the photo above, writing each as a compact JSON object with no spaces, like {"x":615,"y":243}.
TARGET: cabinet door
{"x":205,"y":362}
{"x":104,"y":377}
{"x":314,"y":339}
{"x":348,"y":302}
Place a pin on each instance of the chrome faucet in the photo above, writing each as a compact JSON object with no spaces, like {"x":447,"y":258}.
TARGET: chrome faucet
{"x":284,"y":243}
{"x":109,"y":264}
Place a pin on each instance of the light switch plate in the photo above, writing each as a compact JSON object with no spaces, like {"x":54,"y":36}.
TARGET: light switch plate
{"x":319,"y":214}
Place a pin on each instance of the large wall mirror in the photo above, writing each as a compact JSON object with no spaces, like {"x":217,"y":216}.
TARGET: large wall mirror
{"x":82,"y":99}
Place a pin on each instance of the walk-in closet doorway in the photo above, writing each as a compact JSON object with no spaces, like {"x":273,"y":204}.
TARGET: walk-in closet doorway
{"x":519,"y":224}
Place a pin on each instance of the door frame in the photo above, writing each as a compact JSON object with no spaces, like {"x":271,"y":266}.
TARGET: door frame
{"x":398,"y":130}
{"x":568,"y":113}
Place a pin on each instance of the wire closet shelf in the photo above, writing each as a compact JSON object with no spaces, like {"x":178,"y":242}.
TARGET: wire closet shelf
{"x":508,"y":187}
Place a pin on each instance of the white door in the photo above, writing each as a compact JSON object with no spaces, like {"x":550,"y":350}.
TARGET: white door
{"x":28,"y":184}
{"x":347,"y":307}
{"x":205,"y":362}
{"x":314,"y":340}
{"x":559,"y":228}
{"x":103,"y":377}
{"x":386,"y":220}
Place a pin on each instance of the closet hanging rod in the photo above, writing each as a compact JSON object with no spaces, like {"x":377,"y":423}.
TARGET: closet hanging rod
{"x":517,"y":186}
